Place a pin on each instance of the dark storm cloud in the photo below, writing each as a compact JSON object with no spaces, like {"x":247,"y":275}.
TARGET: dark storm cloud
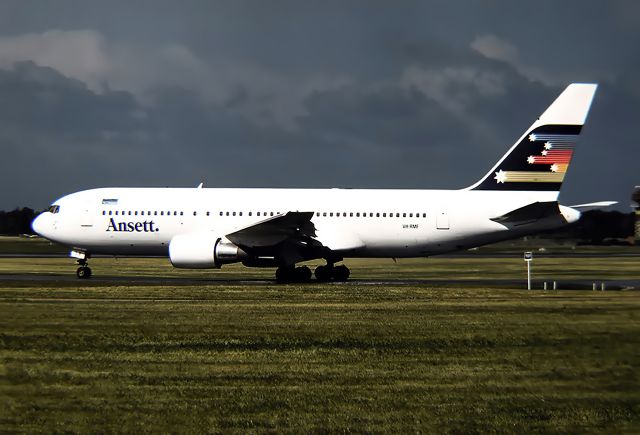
{"x":354,"y":94}
{"x":41,"y":100}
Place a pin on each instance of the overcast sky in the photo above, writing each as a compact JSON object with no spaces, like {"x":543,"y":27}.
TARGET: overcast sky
{"x":403,"y":94}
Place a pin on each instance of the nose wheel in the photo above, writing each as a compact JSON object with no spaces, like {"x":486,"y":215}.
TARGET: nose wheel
{"x":84,"y":271}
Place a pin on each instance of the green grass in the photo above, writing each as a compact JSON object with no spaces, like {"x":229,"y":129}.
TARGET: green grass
{"x":225,"y":356}
{"x":29,"y":245}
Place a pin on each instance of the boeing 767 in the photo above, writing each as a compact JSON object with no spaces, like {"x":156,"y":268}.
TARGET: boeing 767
{"x":208,"y":228}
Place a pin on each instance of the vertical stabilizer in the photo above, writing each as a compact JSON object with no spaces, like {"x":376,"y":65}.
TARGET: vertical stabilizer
{"x":539,"y":160}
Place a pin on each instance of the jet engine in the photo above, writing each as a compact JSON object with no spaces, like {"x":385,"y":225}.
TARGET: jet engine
{"x":203,"y":251}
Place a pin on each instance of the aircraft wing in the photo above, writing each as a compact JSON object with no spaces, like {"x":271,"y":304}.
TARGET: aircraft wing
{"x":292,"y":238}
{"x":293,"y":227}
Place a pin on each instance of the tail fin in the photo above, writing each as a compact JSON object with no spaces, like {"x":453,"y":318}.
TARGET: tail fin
{"x":540,"y":159}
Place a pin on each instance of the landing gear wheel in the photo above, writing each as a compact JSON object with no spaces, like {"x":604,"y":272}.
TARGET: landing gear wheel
{"x":332,"y":273}
{"x":324,"y":273}
{"x":83,"y":272}
{"x":283,"y":274}
{"x":341,"y":273}
{"x":303,"y":274}
{"x":290,"y":274}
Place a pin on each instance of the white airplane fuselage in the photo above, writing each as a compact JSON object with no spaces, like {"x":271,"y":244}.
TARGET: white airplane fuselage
{"x":356,"y":222}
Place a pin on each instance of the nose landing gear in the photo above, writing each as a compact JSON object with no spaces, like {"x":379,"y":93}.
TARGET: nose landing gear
{"x":84,"y":271}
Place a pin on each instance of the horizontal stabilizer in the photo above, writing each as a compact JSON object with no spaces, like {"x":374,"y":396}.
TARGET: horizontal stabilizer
{"x":593,"y":205}
{"x":529,"y":213}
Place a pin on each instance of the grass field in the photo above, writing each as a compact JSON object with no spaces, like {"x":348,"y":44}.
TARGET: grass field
{"x":229,"y":356}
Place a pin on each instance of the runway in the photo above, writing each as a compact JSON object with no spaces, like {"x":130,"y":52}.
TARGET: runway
{"x":70,"y":280}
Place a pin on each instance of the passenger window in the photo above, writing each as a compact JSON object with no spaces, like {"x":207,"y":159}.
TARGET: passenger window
{"x":103,"y":212}
{"x":350,"y":214}
{"x":116,"y":212}
{"x":249,"y":213}
{"x":271,"y":213}
{"x":404,"y":215}
{"x":424,"y":215}
{"x":161,"y":213}
{"x":370,"y":214}
{"x":221,"y":213}
{"x":410,"y":214}
{"x":357,"y":214}
{"x":195,"y":213}
{"x":397,"y":214}
{"x":135,"y":213}
{"x":330,"y":214}
{"x":324,"y":214}
{"x":240,"y":213}
{"x":384,"y":215}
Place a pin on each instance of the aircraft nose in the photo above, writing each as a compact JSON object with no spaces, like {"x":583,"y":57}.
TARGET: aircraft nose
{"x":41,"y":224}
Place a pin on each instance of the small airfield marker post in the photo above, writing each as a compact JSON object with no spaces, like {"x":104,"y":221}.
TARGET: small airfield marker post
{"x":528,"y":257}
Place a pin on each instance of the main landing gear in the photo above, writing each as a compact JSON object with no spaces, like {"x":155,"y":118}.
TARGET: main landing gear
{"x":290,"y":274}
{"x":329,"y":272}
{"x":332,"y":273}
{"x":84,"y":271}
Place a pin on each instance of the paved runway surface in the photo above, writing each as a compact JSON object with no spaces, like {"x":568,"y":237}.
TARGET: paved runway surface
{"x":70,"y":280}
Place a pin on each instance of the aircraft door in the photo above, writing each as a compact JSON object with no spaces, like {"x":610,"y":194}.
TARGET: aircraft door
{"x":86,"y":215}
{"x":442,"y":220}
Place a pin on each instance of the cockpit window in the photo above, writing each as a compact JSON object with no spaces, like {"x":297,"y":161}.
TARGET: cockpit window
{"x":54,"y":209}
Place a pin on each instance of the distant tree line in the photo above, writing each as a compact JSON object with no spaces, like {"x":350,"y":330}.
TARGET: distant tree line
{"x":16,"y":222}
{"x":597,"y":227}
{"x":594,"y":227}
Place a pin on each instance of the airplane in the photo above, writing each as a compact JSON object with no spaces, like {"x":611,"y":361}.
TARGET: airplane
{"x":259,"y":227}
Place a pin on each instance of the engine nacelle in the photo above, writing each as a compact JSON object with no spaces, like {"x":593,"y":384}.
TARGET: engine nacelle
{"x":203,"y":251}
